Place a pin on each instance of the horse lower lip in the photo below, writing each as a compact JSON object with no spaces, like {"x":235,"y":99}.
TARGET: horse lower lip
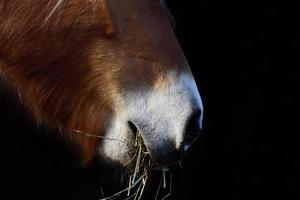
{"x":167,"y":161}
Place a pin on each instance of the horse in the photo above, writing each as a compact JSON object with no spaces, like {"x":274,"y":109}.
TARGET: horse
{"x":98,"y":71}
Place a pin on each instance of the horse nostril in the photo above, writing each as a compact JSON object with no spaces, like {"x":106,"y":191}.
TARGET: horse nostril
{"x":194,"y":122}
{"x":165,"y":153}
{"x":193,"y":129}
{"x":132,"y":127}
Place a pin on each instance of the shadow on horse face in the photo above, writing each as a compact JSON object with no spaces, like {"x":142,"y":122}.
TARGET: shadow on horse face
{"x":101,"y":67}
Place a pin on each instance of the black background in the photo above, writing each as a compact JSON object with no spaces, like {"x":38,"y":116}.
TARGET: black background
{"x":244,"y":56}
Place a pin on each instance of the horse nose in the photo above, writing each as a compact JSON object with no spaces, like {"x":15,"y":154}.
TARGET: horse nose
{"x":168,"y":119}
{"x":161,"y":139}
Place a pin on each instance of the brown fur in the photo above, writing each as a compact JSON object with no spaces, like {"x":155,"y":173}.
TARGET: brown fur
{"x":71,"y":64}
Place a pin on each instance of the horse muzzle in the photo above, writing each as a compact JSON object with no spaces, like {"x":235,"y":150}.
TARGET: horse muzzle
{"x":169,"y":120}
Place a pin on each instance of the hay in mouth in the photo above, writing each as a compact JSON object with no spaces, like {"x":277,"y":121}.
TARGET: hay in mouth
{"x":139,"y":175}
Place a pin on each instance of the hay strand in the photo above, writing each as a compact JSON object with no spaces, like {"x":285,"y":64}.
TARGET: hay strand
{"x":98,"y":136}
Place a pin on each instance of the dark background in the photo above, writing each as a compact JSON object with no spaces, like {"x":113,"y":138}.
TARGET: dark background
{"x":245,"y":59}
{"x":244,"y":56}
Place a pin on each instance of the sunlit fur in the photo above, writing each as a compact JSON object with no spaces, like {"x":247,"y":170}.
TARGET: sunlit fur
{"x":71,"y":61}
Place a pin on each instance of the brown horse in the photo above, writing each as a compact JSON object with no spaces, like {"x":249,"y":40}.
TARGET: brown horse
{"x":101,"y":68}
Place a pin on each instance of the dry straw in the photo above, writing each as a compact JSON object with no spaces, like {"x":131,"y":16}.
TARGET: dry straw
{"x":138,"y":177}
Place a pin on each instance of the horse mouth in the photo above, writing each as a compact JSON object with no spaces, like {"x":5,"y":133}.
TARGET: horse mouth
{"x":140,"y":168}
